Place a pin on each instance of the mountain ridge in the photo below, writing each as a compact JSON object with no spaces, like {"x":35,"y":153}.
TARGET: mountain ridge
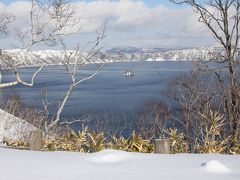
{"x":116,"y":54}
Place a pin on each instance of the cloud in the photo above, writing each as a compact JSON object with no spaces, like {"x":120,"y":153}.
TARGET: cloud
{"x":138,"y":23}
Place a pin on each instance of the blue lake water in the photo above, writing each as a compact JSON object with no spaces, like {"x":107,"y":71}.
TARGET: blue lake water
{"x":109,"y":90}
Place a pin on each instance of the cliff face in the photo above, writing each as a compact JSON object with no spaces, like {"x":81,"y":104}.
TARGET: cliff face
{"x":13,"y":129}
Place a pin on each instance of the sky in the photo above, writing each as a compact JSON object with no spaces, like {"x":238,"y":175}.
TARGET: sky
{"x":150,"y":3}
{"x":138,"y":23}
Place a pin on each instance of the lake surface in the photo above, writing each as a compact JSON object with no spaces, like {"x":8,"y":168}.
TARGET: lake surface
{"x":108,"y":91}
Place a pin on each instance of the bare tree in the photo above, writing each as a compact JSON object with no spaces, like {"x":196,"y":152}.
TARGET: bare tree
{"x":50,"y":22}
{"x":74,"y":61}
{"x":152,"y":120}
{"x":195,"y":95}
{"x":222,"y":18}
{"x":5,"y":20}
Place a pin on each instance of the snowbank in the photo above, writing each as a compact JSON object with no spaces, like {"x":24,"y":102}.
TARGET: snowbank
{"x":216,"y":167}
{"x":13,"y":128}
{"x":115,"y":165}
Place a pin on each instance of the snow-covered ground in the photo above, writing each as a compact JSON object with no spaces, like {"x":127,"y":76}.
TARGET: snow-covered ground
{"x":115,"y":165}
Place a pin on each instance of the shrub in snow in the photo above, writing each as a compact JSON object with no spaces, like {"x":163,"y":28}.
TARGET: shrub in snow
{"x":90,"y":141}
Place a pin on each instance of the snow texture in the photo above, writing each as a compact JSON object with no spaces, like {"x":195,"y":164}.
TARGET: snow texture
{"x":216,"y":167}
{"x":115,"y":165}
{"x":108,"y":156}
{"x":13,"y":129}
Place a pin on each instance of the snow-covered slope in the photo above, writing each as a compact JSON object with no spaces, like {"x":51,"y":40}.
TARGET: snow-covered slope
{"x":13,"y":129}
{"x":25,"y":58}
{"x":157,"y":54}
{"x":115,"y":165}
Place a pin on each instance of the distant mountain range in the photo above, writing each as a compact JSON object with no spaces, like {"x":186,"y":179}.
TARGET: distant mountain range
{"x":133,"y":50}
{"x":116,"y":54}
{"x":163,"y":54}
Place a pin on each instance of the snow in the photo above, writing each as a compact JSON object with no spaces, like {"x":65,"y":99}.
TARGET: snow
{"x":108,"y":156}
{"x":149,"y":59}
{"x":157,"y":59}
{"x":160,"y":59}
{"x":115,"y":165}
{"x":216,"y":167}
{"x":53,"y":57}
{"x":13,"y":128}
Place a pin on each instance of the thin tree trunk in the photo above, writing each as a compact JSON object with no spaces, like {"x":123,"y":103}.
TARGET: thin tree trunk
{"x":60,"y":109}
{"x":234,"y":99}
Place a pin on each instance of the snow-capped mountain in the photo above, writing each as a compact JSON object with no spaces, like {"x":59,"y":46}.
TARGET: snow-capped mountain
{"x":158,"y":54}
{"x":118,"y":54}
{"x":134,"y":50}
{"x":23,"y":58}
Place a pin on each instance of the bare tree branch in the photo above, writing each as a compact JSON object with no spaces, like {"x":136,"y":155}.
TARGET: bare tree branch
{"x":222,"y":18}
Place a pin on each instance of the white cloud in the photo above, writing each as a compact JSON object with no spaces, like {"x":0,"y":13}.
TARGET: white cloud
{"x":142,"y":25}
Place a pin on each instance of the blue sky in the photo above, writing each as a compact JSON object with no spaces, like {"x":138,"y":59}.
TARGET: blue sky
{"x":140,"y":23}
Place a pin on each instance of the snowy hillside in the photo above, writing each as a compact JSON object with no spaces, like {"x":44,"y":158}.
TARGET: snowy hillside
{"x":115,"y":165}
{"x":118,"y":54}
{"x":13,"y":129}
{"x":35,"y":58}
{"x":158,"y":54}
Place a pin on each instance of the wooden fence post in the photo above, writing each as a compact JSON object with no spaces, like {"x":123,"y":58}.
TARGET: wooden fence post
{"x":162,"y":146}
{"x":36,"y":140}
